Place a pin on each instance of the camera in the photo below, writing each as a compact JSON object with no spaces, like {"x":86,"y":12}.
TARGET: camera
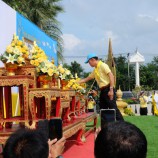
{"x":51,"y":128}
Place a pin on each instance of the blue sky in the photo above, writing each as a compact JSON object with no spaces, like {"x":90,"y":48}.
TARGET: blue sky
{"x":87,"y":26}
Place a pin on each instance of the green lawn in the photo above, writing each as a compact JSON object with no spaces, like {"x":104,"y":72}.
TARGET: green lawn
{"x":149,"y":125}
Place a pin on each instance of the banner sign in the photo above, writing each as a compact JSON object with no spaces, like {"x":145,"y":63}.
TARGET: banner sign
{"x":13,"y":22}
{"x":30,"y":33}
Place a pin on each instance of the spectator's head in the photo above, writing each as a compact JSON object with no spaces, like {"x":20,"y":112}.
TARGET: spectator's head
{"x":26,"y":143}
{"x":120,"y":140}
{"x":142,"y":93}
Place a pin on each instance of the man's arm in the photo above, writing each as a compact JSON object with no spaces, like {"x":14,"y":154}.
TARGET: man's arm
{"x":84,"y":80}
{"x":111,"y":78}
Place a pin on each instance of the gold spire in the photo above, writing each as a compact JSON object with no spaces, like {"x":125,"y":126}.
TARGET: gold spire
{"x":110,"y":61}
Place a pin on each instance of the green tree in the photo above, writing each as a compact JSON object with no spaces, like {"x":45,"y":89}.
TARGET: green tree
{"x":149,"y":74}
{"x":37,"y":11}
{"x":124,"y":79}
{"x":53,"y":31}
{"x":75,"y":68}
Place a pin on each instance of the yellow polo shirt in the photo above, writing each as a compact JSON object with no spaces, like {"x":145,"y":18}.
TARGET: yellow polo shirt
{"x":100,"y":73}
{"x":91,"y":104}
{"x":143,"y":102}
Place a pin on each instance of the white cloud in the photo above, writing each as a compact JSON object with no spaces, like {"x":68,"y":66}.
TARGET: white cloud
{"x":70,"y":41}
{"x":145,"y":16}
{"x":149,"y":17}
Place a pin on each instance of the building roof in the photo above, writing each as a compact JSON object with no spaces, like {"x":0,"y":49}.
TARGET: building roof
{"x":136,"y":57}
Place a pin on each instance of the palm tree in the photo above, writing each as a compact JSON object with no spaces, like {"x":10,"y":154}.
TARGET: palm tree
{"x":43,"y":13}
{"x":53,"y":31}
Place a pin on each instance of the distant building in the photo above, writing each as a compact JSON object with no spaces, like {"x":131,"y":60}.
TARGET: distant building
{"x":137,"y":59}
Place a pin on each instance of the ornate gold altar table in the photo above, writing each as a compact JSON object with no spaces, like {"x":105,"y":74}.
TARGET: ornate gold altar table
{"x":49,"y":96}
{"x":72,"y":96}
{"x":65,"y":104}
{"x":23,"y":82}
{"x":80,"y":105}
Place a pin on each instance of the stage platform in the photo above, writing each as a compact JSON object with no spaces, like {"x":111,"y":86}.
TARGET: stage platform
{"x":76,"y":126}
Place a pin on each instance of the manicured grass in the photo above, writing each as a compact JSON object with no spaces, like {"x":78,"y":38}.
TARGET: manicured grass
{"x":149,"y":125}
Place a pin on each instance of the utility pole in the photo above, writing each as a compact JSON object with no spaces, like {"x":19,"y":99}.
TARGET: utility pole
{"x":128,"y":72}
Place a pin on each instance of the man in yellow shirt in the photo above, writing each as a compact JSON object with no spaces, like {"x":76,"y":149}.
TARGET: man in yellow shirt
{"x":143,"y":103}
{"x":105,"y":81}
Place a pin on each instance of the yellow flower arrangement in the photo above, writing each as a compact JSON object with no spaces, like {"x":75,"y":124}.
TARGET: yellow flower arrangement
{"x":37,"y":55}
{"x":16,"y":52}
{"x":74,"y":85}
{"x":63,"y":73}
{"x":40,"y":61}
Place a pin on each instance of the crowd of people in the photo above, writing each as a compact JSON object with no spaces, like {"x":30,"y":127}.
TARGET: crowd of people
{"x":118,"y":139}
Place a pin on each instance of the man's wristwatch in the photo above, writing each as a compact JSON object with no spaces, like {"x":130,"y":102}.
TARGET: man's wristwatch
{"x":60,"y":156}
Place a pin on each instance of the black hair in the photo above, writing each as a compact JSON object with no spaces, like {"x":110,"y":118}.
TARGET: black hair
{"x":26,"y":143}
{"x":120,"y":140}
{"x":96,"y":58}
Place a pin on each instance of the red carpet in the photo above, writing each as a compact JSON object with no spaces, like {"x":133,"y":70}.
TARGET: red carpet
{"x":72,"y":150}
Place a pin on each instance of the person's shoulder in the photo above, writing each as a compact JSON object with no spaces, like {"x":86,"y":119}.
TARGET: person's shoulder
{"x":103,"y":64}
{"x":105,"y":67}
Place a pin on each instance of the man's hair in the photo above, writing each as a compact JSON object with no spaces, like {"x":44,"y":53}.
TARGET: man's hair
{"x":26,"y":143}
{"x":96,"y":58}
{"x":120,"y":140}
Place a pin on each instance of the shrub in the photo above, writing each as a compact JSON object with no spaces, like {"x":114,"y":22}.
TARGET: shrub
{"x":129,"y":111}
{"x":131,"y":101}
